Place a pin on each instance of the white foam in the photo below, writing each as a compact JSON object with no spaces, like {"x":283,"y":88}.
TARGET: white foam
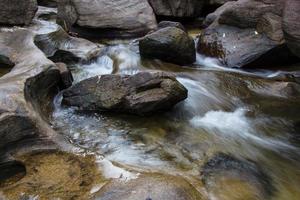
{"x":229,"y":122}
{"x":111,"y":171}
{"x":103,"y":65}
{"x":236,"y":126}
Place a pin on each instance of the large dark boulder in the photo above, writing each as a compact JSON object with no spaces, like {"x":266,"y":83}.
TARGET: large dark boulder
{"x":246,"y":33}
{"x":107,"y":18}
{"x":17,"y":12}
{"x":169,"y":44}
{"x":141,"y":94}
{"x":177,"y":8}
{"x":291,"y":25}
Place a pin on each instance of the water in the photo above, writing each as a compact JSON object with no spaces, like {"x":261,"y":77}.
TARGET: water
{"x":242,"y":113}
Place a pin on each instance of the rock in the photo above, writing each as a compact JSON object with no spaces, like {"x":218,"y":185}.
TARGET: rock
{"x":165,"y":24}
{"x":177,"y":8}
{"x":291,"y":25}
{"x":247,"y":179}
{"x":242,"y":40}
{"x":60,"y":47}
{"x":27,"y":91}
{"x":52,"y":175}
{"x":17,"y":12}
{"x":140,"y":94}
{"x":214,"y":16}
{"x":271,"y":25}
{"x":169,"y":44}
{"x":150,"y":186}
{"x":66,"y":75}
{"x":107,"y":18}
{"x":246,"y":13}
{"x":48,"y":3}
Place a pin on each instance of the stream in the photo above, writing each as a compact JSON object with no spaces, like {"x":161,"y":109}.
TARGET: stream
{"x":246,"y":114}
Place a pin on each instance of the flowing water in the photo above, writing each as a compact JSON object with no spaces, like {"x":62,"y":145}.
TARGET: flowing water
{"x":244,"y":114}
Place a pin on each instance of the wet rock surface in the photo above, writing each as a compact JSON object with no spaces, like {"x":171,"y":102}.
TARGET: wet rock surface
{"x":60,"y":47}
{"x":248,"y":179}
{"x":169,"y":44}
{"x":121,"y":17}
{"x":141,"y":94}
{"x":150,"y":186}
{"x":53,"y":174}
{"x":17,"y":12}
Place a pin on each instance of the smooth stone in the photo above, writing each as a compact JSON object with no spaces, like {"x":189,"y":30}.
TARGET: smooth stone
{"x":169,"y":44}
{"x":246,"y":178}
{"x":143,"y":93}
{"x":118,"y":18}
{"x":150,"y":186}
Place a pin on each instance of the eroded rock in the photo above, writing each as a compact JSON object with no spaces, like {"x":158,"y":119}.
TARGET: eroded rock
{"x":107,"y":18}
{"x":247,"y":178}
{"x":169,"y":44}
{"x":60,"y":47}
{"x":52,"y":175}
{"x":246,"y":33}
{"x":141,"y":94}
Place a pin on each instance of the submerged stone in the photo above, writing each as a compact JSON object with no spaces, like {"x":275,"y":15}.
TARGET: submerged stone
{"x":247,"y":179}
{"x":150,"y":187}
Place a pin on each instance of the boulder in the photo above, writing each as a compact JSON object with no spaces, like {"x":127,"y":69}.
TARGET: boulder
{"x":246,"y":33}
{"x":169,"y":44}
{"x":17,"y":12}
{"x":177,"y":8}
{"x":141,"y":94}
{"x":246,"y":13}
{"x":107,"y":18}
{"x":291,"y":25}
